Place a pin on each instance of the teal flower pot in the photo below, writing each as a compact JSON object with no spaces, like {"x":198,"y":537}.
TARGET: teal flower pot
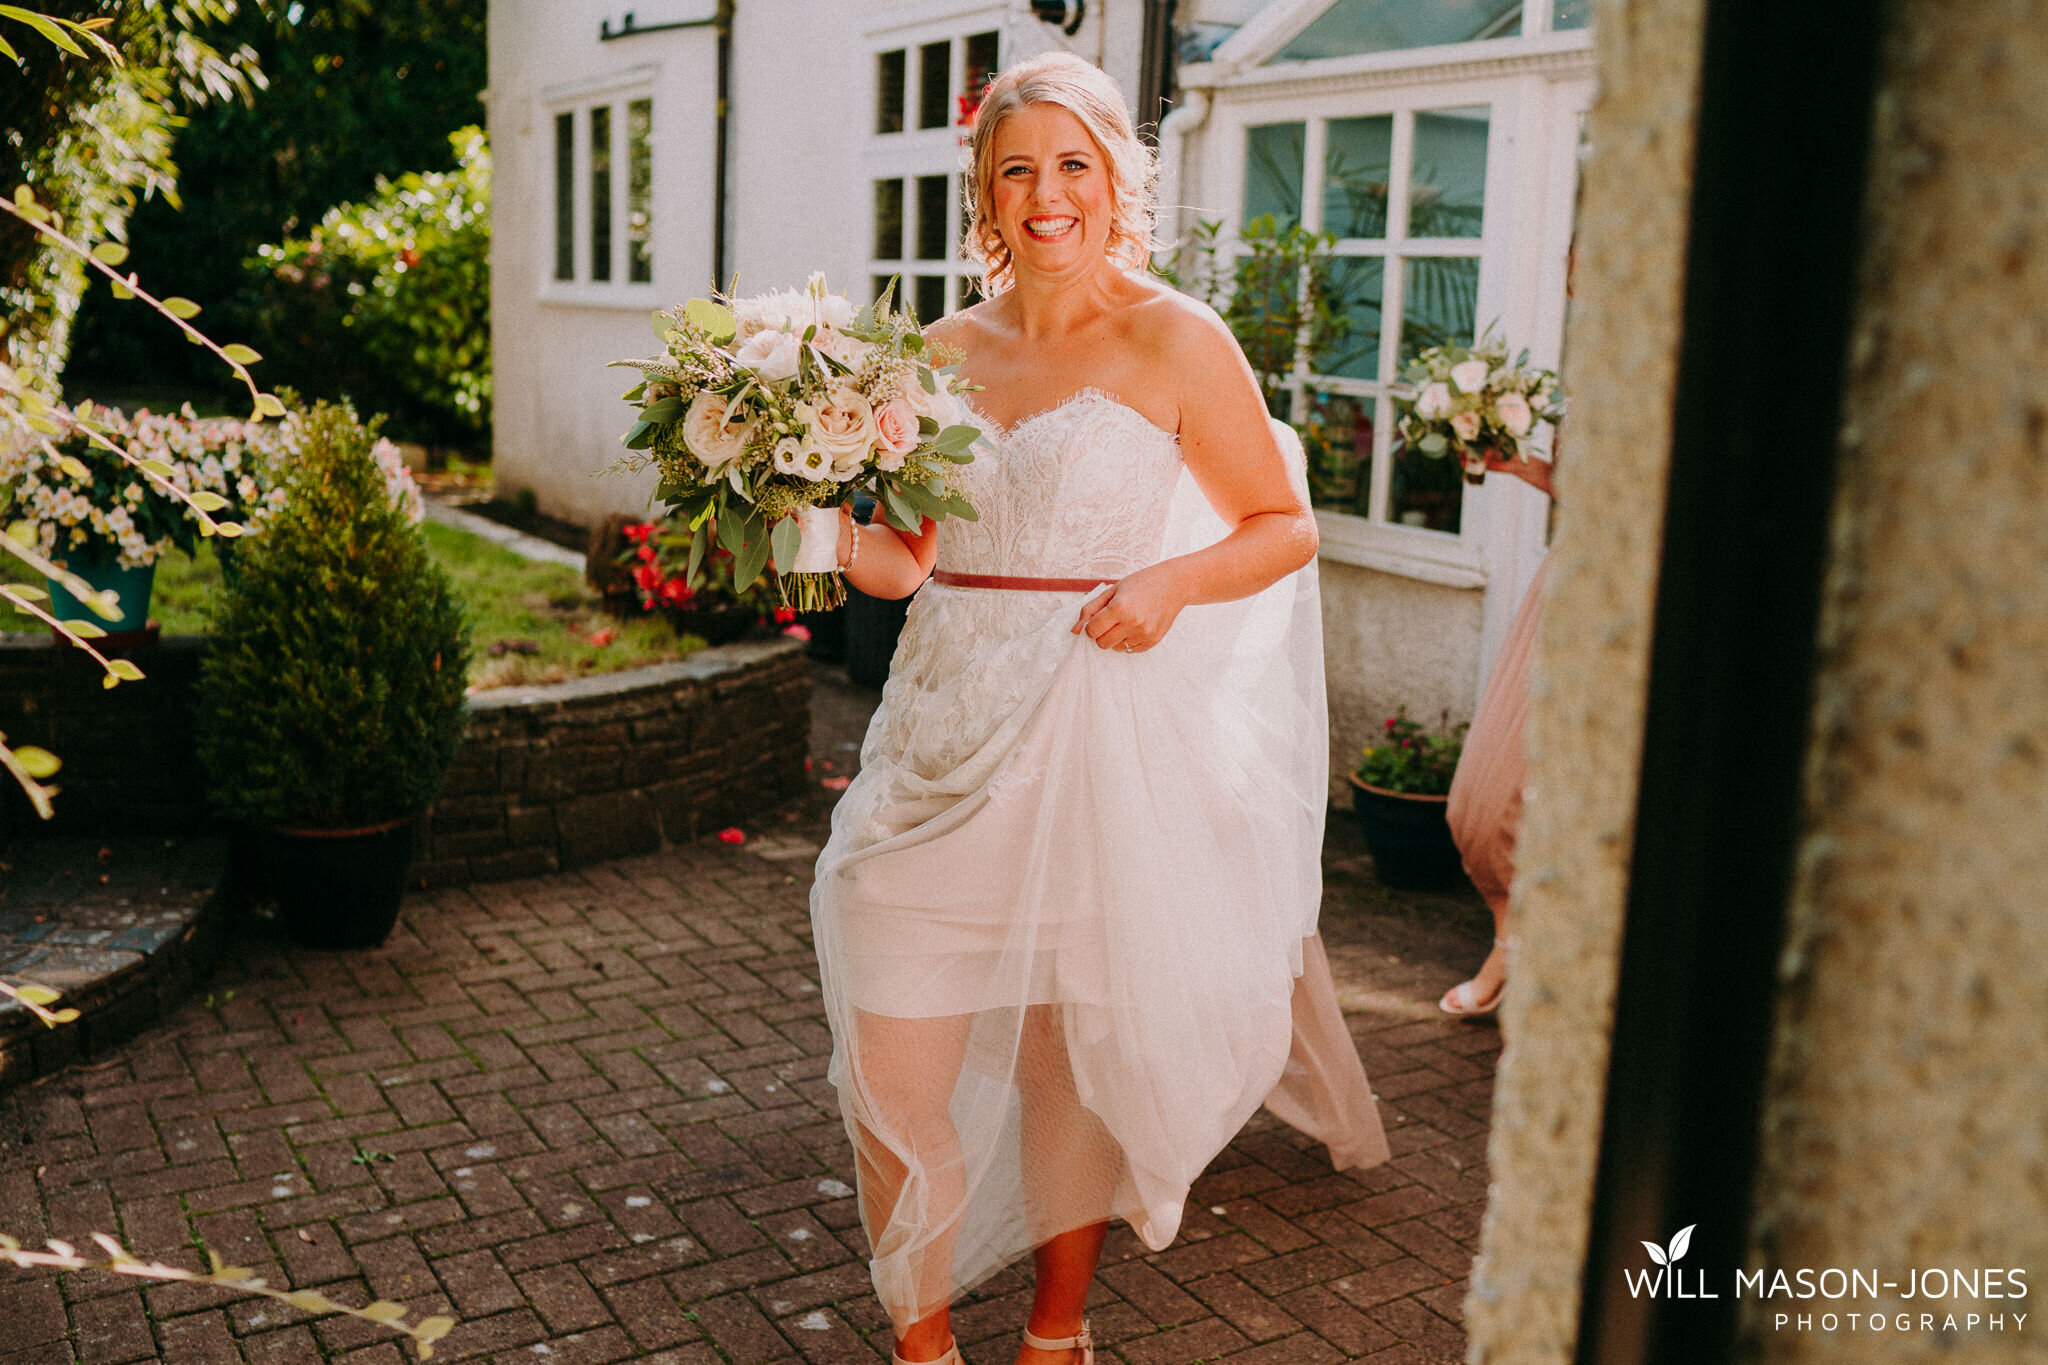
{"x":133,"y":586}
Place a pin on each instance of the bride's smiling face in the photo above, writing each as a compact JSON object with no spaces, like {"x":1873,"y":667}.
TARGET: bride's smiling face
{"x":1053,"y":192}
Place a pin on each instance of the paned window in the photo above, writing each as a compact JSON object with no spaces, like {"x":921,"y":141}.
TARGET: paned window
{"x":926,"y":93}
{"x":1404,"y":194}
{"x":604,"y":220}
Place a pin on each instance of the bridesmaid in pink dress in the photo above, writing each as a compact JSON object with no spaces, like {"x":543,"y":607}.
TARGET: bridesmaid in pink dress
{"x":1485,"y":808}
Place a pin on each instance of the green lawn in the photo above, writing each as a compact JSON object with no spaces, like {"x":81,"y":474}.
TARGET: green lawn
{"x":530,"y":623}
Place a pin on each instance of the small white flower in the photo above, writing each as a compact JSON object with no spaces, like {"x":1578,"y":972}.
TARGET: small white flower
{"x":1433,"y":404}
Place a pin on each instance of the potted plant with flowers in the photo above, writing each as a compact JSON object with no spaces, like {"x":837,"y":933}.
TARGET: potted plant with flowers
{"x":95,"y":514}
{"x":658,"y":555}
{"x":1400,"y":789}
{"x":330,"y":703}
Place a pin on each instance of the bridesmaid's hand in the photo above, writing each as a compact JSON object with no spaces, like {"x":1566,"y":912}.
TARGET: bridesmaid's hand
{"x":1135,"y":613}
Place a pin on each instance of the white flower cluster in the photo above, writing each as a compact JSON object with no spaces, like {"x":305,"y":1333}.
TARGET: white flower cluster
{"x":116,"y":507}
{"x":825,"y":423}
{"x":1474,"y":400}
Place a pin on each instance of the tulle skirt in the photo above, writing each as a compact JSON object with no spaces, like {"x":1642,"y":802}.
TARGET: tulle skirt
{"x":1063,"y":921}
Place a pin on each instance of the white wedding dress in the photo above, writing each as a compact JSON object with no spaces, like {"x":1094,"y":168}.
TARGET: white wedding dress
{"x":1065,"y":921}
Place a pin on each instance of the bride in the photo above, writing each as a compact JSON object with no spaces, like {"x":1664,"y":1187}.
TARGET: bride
{"x":1065,"y":921}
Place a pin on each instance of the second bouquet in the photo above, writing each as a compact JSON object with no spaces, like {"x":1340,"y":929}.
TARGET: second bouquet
{"x":763,"y":415}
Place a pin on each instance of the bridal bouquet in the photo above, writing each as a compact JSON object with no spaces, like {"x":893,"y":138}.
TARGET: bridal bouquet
{"x":764,"y":415}
{"x":1473,"y":400}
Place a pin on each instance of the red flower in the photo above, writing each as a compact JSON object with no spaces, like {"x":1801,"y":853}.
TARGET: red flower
{"x":675,"y":592}
{"x":797,"y":631}
{"x":784,"y":615}
{"x":601,"y":638}
{"x":647,"y":555}
{"x":732,"y":836}
{"x":648,"y":577}
{"x":637,"y":534}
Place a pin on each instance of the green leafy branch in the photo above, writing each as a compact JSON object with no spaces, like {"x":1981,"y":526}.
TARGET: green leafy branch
{"x":22,"y":408}
{"x":53,"y":28}
{"x":118,"y":1261}
{"x":34,"y":998}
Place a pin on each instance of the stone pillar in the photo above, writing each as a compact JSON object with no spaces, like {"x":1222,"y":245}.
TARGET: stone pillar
{"x":1590,"y":671}
{"x":1904,"y":1112}
{"x":1905,"y":1115}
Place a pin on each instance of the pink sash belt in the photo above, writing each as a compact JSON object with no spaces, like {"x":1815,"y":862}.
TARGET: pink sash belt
{"x":946,"y":578}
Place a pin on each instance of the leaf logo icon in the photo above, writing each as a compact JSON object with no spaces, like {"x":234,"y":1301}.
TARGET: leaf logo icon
{"x":1679,"y":1244}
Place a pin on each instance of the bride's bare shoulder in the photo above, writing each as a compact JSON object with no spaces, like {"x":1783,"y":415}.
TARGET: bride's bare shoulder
{"x":966,"y":330}
{"x":1178,"y":325}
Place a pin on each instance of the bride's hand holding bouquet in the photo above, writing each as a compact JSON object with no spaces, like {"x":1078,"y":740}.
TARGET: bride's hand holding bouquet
{"x":765,"y":415}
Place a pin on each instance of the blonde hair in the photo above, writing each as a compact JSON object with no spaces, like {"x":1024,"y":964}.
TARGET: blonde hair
{"x":1091,"y":95}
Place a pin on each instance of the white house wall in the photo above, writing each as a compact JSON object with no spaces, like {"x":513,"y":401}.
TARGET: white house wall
{"x":558,"y":415}
{"x":802,"y":158}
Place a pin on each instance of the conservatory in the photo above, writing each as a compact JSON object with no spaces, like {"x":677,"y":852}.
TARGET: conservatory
{"x":1435,"y":143}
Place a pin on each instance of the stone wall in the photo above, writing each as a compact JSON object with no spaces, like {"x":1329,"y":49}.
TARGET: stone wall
{"x":547,"y":777}
{"x":577,"y":772}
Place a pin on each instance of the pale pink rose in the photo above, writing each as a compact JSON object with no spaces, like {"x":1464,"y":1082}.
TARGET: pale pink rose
{"x":841,"y":425}
{"x":942,"y":407}
{"x":710,"y":433}
{"x":1433,"y":403}
{"x":842,"y":348}
{"x":1514,"y":414}
{"x":896,"y":433}
{"x":1466,"y":424}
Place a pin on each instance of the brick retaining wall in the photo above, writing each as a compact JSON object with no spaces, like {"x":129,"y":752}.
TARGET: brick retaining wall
{"x":548,"y":777}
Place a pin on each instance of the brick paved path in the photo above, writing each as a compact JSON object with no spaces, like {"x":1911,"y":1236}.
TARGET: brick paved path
{"x":587,"y":1115}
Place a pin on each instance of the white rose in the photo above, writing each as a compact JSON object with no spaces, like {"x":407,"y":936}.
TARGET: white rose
{"x":1470,"y":377}
{"x":1514,"y":413}
{"x":833,"y":310}
{"x":1434,"y":403}
{"x":771,"y":355}
{"x":1466,"y":424}
{"x":841,"y":424}
{"x":709,"y":434}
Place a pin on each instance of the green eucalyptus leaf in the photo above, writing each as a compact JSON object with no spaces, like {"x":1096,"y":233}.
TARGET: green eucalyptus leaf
{"x":715,"y":319}
{"x":664,"y":410}
{"x":785,"y":539}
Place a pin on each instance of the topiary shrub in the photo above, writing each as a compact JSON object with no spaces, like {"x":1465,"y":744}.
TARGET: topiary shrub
{"x":332,"y":694}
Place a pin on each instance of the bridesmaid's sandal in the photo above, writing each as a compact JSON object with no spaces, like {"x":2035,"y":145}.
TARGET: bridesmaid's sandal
{"x":1081,"y":1341}
{"x":951,"y":1357}
{"x":1462,"y":1000}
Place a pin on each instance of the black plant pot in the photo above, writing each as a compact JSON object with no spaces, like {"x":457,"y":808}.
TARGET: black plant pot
{"x":335,"y":888}
{"x":1409,"y":837}
{"x":713,"y":625}
{"x":873,"y":625}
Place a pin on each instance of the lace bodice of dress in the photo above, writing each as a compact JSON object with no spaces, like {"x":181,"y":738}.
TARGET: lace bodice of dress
{"x":1075,"y":491}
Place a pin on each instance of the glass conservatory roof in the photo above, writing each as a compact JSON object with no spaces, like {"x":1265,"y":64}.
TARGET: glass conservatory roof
{"x":1350,"y":27}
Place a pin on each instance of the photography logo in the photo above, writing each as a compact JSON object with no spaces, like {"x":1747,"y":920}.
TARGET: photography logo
{"x":1855,"y":1299}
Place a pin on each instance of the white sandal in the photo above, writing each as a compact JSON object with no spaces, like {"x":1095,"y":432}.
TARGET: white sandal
{"x":951,"y":1357}
{"x":1462,"y":1000}
{"x":1081,"y":1341}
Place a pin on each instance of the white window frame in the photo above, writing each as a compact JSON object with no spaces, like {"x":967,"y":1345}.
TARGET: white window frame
{"x":917,"y":152}
{"x":615,"y":90}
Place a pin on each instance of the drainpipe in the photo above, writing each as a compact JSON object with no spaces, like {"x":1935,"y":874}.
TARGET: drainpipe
{"x":1155,"y":68}
{"x":720,"y":205}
